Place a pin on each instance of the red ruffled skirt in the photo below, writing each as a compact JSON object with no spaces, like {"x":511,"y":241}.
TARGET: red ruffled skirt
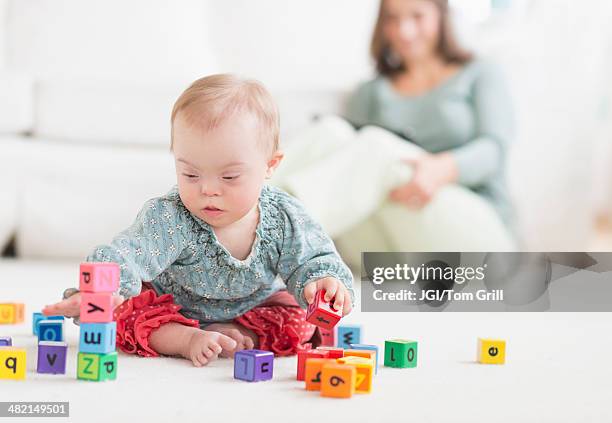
{"x":279,"y":322}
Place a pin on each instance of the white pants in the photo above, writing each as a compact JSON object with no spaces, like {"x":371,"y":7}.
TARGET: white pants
{"x":344,"y":177}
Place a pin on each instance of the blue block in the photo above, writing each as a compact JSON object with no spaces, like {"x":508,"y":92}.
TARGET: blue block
{"x":347,"y":335}
{"x":97,"y":338}
{"x":6,"y":341}
{"x":51,"y":330}
{"x":37,"y":317}
{"x":369,"y":348}
{"x":253,"y":365}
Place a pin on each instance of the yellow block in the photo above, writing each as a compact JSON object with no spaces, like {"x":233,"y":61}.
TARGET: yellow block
{"x":11,"y":313}
{"x":491,"y":351}
{"x":338,"y":380}
{"x":312,"y":375}
{"x":361,"y":353}
{"x":365,"y":370}
{"x":12,"y":363}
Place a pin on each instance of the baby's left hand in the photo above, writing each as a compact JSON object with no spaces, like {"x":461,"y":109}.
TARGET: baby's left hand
{"x":333,"y":288}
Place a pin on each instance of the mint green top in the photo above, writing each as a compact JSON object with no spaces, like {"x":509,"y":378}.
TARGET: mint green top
{"x":470,"y":114}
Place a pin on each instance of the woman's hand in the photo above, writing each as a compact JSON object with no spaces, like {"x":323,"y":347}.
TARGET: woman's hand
{"x":71,"y":307}
{"x":333,"y":288}
{"x":431,"y":172}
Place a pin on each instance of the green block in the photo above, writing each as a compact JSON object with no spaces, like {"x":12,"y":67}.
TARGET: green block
{"x":97,"y":367}
{"x":400,"y":353}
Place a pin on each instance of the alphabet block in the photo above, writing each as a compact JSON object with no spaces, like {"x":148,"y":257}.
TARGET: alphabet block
{"x":6,"y":341}
{"x":347,"y":335}
{"x":322,"y":313}
{"x":365,"y":370}
{"x":99,"y":277}
{"x":328,"y":337}
{"x":253,"y":365}
{"x":96,"y":308}
{"x":52,"y":357}
{"x":51,"y":330}
{"x":97,"y":367}
{"x":11,"y":313}
{"x":367,"y":347}
{"x":98,"y":337}
{"x":332,"y":352}
{"x":312,"y":374}
{"x":400,"y":353}
{"x":37,"y":317}
{"x":491,"y":351}
{"x":303,"y":356}
{"x":338,"y":380}
{"x":12,"y":363}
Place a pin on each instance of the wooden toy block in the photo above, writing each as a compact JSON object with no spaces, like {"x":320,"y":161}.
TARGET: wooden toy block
{"x":6,"y":341}
{"x":12,"y":363}
{"x":97,"y":367}
{"x":491,"y":351}
{"x":328,"y":337}
{"x":98,"y":337}
{"x":347,"y":335}
{"x":11,"y":313}
{"x":37,"y":317}
{"x":400,"y":353}
{"x":96,"y":308}
{"x":367,"y":347}
{"x":303,"y":356}
{"x":312,"y":375}
{"x":338,"y":380}
{"x":332,"y":352}
{"x":52,"y":357}
{"x":322,"y":313}
{"x":51,"y":330}
{"x":365,"y":370}
{"x":253,"y":365}
{"x":99,"y":277}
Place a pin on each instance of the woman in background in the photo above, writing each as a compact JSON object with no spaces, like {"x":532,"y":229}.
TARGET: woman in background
{"x":447,"y":117}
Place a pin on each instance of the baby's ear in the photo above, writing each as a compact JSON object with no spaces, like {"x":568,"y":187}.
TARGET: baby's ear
{"x":273,"y":163}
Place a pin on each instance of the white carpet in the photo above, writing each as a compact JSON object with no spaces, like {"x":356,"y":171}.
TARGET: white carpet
{"x":558,"y":370}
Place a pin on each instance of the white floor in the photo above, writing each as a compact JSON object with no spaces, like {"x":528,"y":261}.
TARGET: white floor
{"x":558,"y":370}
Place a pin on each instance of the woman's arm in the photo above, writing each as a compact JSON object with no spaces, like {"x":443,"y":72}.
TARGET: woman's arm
{"x":483,"y":156}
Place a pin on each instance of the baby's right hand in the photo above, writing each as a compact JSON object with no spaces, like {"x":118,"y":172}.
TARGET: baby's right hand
{"x":71,"y":307}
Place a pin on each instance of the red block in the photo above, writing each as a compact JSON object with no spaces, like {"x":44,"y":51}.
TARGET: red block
{"x":322,"y":313}
{"x":333,"y":352}
{"x":99,"y":277}
{"x":328,"y":337}
{"x":96,"y":308}
{"x":303,"y":356}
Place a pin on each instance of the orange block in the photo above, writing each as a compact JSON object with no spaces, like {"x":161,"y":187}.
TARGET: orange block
{"x":11,"y":313}
{"x":365,"y":370}
{"x":19,"y":313}
{"x":312,"y":375}
{"x":338,"y":380}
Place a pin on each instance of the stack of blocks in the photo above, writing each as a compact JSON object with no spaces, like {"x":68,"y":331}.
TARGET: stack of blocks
{"x":52,"y":350}
{"x":97,"y":358}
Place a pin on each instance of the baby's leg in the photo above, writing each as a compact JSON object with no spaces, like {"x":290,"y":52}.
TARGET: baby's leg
{"x":245,"y":338}
{"x":194,"y":344}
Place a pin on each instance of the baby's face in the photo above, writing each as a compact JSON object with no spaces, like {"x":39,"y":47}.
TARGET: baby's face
{"x":221,"y":172}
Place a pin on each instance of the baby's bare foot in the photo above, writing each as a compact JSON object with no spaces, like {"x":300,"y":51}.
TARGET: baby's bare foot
{"x":245,"y":338}
{"x":204,"y":346}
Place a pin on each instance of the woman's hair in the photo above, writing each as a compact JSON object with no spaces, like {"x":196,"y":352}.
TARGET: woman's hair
{"x":448,"y":46}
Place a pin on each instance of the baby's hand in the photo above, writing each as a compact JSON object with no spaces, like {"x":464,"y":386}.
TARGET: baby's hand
{"x":333,"y":288}
{"x":205,"y":346}
{"x":71,"y":307}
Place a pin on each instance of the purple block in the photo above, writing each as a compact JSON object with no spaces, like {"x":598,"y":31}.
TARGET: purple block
{"x":6,"y":341}
{"x":52,"y":357}
{"x":253,"y":365}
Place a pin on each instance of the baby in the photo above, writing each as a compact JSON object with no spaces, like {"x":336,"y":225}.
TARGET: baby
{"x":240,"y":259}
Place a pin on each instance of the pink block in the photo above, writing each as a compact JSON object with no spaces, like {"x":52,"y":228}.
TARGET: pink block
{"x":99,"y":277}
{"x":96,"y":308}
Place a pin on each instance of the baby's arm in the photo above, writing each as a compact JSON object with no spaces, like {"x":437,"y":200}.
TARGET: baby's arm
{"x":309,"y":260}
{"x":144,"y":250}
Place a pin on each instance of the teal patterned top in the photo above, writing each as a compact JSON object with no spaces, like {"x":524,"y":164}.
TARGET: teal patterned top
{"x":180,"y":254}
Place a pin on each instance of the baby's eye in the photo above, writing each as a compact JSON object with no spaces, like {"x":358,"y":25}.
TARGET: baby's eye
{"x":231,"y":178}
{"x":190,"y":176}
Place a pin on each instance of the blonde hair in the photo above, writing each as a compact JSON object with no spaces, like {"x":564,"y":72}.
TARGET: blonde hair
{"x":209,"y":101}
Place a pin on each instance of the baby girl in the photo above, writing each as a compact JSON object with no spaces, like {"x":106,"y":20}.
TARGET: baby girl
{"x":238,"y":258}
